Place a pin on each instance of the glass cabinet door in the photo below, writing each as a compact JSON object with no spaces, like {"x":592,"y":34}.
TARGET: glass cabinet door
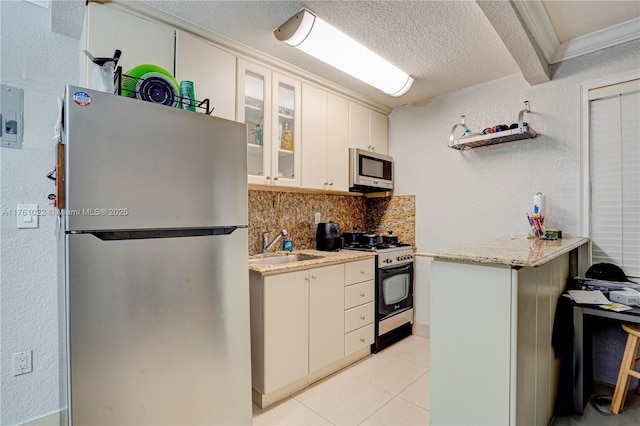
{"x":254,"y":109}
{"x":286,"y":140}
{"x":269,"y":104}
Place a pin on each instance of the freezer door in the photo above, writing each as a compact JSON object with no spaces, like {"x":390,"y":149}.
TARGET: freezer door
{"x":159,"y":331}
{"x":132,"y":164}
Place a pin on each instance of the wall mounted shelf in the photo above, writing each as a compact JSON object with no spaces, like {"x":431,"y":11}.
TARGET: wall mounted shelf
{"x":522,"y":132}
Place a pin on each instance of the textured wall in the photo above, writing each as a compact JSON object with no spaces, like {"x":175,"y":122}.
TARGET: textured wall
{"x":485,"y":192}
{"x":271,"y":211}
{"x":40,"y":62}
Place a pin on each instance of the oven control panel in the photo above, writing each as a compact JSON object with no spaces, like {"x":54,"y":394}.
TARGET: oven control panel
{"x":394,"y":257}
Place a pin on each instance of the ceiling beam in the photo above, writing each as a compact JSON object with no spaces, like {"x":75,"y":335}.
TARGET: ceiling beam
{"x":505,"y":20}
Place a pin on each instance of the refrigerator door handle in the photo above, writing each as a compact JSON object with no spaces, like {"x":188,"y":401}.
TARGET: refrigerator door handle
{"x":142,"y":234}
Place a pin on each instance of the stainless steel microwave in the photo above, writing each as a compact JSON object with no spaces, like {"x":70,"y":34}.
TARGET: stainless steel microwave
{"x":369,"y":171}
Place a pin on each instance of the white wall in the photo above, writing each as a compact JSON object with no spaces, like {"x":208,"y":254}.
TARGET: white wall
{"x":484,"y":192}
{"x":42,"y":63}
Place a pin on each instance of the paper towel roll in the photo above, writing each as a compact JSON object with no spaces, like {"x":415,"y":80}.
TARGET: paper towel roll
{"x":539,"y":204}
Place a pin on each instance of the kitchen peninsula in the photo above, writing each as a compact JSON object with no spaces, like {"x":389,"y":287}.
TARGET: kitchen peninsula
{"x":492,"y":309}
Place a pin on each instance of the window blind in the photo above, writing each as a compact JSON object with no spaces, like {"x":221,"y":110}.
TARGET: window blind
{"x":615,"y":176}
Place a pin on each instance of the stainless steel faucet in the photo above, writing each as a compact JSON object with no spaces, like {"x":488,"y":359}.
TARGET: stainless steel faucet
{"x":266,"y":245}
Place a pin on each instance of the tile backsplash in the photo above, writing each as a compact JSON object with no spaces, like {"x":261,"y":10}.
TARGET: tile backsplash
{"x":272,"y":211}
{"x":395,"y":214}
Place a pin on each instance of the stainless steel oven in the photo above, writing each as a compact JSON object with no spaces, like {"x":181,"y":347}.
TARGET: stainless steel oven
{"x":394,"y":295}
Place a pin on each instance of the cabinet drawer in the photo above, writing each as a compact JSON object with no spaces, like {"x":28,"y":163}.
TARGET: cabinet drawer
{"x":359,"y":271}
{"x":358,"y":317}
{"x":358,"y":339}
{"x":358,"y":294}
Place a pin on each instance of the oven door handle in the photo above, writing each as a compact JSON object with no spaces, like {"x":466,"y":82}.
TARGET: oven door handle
{"x":396,"y":269}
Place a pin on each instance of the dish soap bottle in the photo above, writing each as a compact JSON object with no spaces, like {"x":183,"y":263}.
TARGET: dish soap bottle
{"x":287,"y":244}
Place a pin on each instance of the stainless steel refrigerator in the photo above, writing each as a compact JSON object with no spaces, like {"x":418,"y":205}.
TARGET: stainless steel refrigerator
{"x":155,"y":292}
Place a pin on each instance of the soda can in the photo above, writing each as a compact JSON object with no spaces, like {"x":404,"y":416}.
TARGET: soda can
{"x":188,"y":95}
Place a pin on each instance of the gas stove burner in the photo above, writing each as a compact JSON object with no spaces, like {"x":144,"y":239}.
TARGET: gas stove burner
{"x":374,"y":247}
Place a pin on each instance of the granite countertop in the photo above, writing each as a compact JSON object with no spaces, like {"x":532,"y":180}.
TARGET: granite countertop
{"x":326,"y":258}
{"x":513,"y":251}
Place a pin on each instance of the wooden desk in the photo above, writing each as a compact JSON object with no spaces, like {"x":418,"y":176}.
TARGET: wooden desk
{"x":582,"y":366}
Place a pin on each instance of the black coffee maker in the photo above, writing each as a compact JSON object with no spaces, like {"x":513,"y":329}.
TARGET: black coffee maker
{"x":328,"y":237}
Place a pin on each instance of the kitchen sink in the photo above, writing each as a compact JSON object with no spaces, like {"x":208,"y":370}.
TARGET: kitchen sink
{"x":287,"y":258}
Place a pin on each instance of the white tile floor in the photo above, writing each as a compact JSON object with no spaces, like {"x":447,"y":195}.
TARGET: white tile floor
{"x":387,"y":388}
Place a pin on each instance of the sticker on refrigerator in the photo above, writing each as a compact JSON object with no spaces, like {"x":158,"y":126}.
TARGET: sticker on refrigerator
{"x":82,"y":98}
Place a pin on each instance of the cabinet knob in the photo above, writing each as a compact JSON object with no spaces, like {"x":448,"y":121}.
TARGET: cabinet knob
{"x":275,"y":178}
{"x":326,"y":183}
{"x":306,"y":278}
{"x":362,"y":317}
{"x":362,"y":272}
{"x":362,"y":339}
{"x":268,"y":178}
{"x":362,"y":294}
{"x":330,"y":183}
{"x":314,"y":276}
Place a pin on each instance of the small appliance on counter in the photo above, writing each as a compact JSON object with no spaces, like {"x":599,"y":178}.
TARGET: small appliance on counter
{"x":352,"y":237}
{"x":328,"y":237}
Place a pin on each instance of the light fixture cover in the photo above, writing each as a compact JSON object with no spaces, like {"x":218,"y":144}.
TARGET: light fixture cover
{"x":317,"y":38}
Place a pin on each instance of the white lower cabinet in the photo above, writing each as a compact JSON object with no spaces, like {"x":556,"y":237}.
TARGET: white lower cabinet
{"x":358,"y":339}
{"x":326,"y":322}
{"x":358,"y":317}
{"x":286,"y":328}
{"x":302,"y":330}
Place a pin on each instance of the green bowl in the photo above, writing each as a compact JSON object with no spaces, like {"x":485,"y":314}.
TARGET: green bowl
{"x":131,"y":78}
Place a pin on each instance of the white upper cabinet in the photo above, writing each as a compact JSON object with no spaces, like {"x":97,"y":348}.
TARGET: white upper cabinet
{"x":286,"y":135}
{"x":368,"y":129}
{"x":269,"y":103}
{"x":212,"y":70}
{"x":379,"y":132}
{"x":337,"y":142}
{"x":314,"y":135}
{"x":141,"y":41}
{"x":325,"y":155}
{"x":253,"y":108}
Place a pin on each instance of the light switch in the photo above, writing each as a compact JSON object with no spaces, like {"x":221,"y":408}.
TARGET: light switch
{"x":11,"y":117}
{"x":27,"y":215}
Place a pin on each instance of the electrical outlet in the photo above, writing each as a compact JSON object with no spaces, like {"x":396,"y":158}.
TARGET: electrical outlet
{"x":317,"y":217}
{"x":22,"y":363}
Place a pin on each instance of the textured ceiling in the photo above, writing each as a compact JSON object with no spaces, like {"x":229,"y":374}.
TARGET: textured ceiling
{"x":445,"y":44}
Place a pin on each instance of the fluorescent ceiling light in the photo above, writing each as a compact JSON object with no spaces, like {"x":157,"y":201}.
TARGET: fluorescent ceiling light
{"x":314,"y":36}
